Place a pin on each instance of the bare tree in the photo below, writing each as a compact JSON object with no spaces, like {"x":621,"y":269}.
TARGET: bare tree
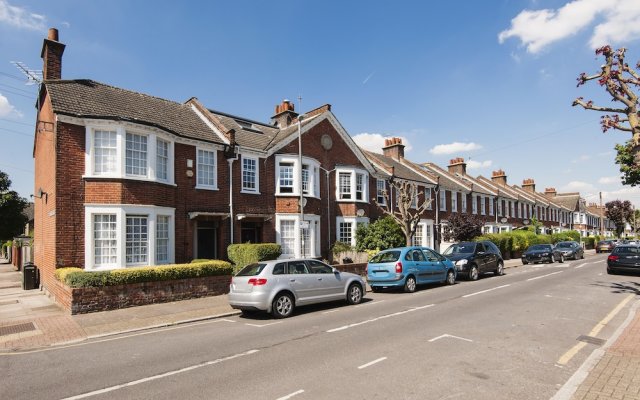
{"x":407,"y":208}
{"x":620,"y":81}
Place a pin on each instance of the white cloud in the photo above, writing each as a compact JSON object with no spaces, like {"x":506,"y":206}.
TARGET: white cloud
{"x":374,"y":142}
{"x":20,"y":18}
{"x":577,"y":186}
{"x":619,"y":21}
{"x":582,"y":158}
{"x":606,"y":180}
{"x":6,"y":109}
{"x":472,"y":164}
{"x":625,"y":193}
{"x":455,"y":147}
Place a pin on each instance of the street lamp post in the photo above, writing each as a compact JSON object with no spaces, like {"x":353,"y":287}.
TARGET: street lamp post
{"x":327,"y":172}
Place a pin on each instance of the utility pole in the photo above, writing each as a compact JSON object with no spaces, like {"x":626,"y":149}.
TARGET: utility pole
{"x":601,"y":217}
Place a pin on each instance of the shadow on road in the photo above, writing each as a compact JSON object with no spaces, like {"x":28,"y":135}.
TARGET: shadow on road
{"x":621,"y":287}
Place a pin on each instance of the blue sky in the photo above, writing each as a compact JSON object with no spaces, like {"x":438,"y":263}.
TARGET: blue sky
{"x":490,"y":81}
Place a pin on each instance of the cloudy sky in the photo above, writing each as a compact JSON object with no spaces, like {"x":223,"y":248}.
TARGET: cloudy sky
{"x":489,"y":81}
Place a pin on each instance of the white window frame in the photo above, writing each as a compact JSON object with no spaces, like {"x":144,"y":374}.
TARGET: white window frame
{"x":315,"y":233}
{"x":442,"y":206}
{"x":119,"y":168}
{"x":206,"y":185}
{"x":352,"y":172}
{"x":121,"y":212}
{"x":256,"y":172}
{"x":474,"y":204}
{"x":454,"y":201}
{"x":427,"y":234}
{"x":380,"y":197}
{"x":463,"y":202}
{"x":313,"y":167}
{"x":427,"y":198}
{"x":499,"y":207}
{"x":491,"y":210}
{"x":169,"y":171}
{"x":137,"y":138}
{"x":483,"y":205}
{"x":354,"y":225}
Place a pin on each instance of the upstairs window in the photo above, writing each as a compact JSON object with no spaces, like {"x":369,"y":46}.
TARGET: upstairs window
{"x":286,"y":177}
{"x":463,"y":203}
{"x":352,"y":185}
{"x":359,"y":187}
{"x":427,"y":198}
{"x":443,"y":200}
{"x":474,"y":204}
{"x":136,"y":155}
{"x":483,"y":201}
{"x":249,"y":174}
{"x":289,"y":173}
{"x":490,"y":206}
{"x":454,"y":201}
{"x":162,"y":160}
{"x":105,"y":156}
{"x":206,"y":169}
{"x":344,"y":180}
{"x":380,"y":192}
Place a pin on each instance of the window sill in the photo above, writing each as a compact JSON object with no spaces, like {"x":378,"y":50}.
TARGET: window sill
{"x":249,"y":192}
{"x":213,"y":188}
{"x":129,"y":178}
{"x":351,"y":201}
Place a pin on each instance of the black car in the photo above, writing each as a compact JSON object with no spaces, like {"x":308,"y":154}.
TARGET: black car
{"x":570,"y":249}
{"x":474,"y":258}
{"x":624,"y":258}
{"x":542,"y":253}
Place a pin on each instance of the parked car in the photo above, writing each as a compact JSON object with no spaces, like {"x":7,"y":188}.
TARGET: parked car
{"x":570,"y":249}
{"x":407,"y":267}
{"x":624,"y":258}
{"x":542,"y":253}
{"x":475,"y":258}
{"x":279,"y":286}
{"x":605,"y":246}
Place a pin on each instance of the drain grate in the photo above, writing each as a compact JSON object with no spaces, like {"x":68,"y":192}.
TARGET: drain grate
{"x":592,"y":340}
{"x":7,"y":302}
{"x":11,"y":329}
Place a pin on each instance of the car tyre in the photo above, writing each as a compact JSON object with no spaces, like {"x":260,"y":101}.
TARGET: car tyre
{"x":524,"y":262}
{"x":500,"y":269}
{"x":410,"y":284}
{"x":561,"y":259}
{"x":582,"y":256}
{"x":473,"y":273}
{"x":552,"y":260}
{"x":610,"y":271}
{"x":376,"y":289}
{"x":354,"y":294}
{"x":451,"y":278}
{"x":282,"y":306}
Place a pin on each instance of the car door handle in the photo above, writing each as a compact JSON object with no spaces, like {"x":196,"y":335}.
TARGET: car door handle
{"x":292,"y":280}
{"x":319,"y":279}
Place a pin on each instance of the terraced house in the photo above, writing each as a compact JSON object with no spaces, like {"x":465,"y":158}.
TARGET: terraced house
{"x":127,"y":179}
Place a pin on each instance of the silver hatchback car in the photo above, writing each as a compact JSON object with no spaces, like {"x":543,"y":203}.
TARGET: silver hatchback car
{"x":279,"y":286}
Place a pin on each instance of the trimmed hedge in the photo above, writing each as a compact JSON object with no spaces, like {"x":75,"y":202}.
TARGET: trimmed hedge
{"x":248,"y":253}
{"x":77,"y":277}
{"x":520,"y":240}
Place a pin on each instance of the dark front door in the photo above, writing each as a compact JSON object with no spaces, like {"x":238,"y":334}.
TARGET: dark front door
{"x":207,"y":239}
{"x":250,"y":233}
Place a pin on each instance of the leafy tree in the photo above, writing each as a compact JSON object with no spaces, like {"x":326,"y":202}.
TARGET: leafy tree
{"x":620,"y":81}
{"x":12,"y":220}
{"x":382,"y":234}
{"x":408,"y":207}
{"x":619,"y":212}
{"x":462,"y":227}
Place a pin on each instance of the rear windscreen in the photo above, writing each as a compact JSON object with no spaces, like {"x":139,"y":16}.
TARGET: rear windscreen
{"x":387,"y":256}
{"x":251,"y":269}
{"x":626,"y":250}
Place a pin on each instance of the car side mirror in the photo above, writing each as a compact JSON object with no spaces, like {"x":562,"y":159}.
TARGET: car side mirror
{"x":335,"y":270}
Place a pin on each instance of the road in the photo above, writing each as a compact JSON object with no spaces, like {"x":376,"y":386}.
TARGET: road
{"x":508,"y":337}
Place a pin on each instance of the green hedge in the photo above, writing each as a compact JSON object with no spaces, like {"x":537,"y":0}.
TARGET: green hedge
{"x":77,"y":277}
{"x":520,"y":240}
{"x":248,"y":253}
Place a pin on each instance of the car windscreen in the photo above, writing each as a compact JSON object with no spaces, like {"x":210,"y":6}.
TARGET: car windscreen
{"x":565,"y":244}
{"x":626,"y":250}
{"x":540,"y":247}
{"x":460,"y":248}
{"x":385,"y":257}
{"x":252,"y":269}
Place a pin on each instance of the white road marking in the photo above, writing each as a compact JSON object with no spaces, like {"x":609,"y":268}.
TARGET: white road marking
{"x":451,"y":336}
{"x":544,"y":276}
{"x":378,"y":318}
{"x":372,"y":362}
{"x":485,"y":291}
{"x":263,"y":325}
{"x":164,"y":375}
{"x":291,"y":395}
{"x":331,"y":311}
{"x":581,"y":265}
{"x":367,"y":303}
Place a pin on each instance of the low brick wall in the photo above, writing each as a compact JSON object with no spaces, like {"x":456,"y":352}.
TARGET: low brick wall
{"x":360,"y":268}
{"x":93,"y":299}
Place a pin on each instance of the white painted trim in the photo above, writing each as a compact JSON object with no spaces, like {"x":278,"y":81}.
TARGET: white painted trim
{"x":314,"y":233}
{"x":215,"y":171}
{"x":354,"y":225}
{"x":257,"y":172}
{"x":211,"y":126}
{"x":314,"y":175}
{"x":353,"y":171}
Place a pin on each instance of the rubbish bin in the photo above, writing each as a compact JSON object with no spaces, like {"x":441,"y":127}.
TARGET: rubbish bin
{"x":30,"y":277}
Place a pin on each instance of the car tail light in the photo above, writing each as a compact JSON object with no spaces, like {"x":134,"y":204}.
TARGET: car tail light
{"x":398,"y":267}
{"x":612,"y":258}
{"x":257,"y":281}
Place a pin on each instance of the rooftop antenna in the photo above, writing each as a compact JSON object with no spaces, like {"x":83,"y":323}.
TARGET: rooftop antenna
{"x":34,"y":77}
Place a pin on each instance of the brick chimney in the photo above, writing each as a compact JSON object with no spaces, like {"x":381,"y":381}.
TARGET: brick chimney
{"x":529,"y":185}
{"x":51,"y":55}
{"x":550,"y":193}
{"x":499,"y":177}
{"x":285,"y":114}
{"x":458,"y":166}
{"x":393,"y":148}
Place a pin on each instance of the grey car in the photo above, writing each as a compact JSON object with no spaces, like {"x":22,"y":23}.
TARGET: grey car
{"x":570,"y":249}
{"x":279,"y":286}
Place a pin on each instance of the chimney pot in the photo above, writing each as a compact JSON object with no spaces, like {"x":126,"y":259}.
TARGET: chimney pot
{"x":53,"y":34}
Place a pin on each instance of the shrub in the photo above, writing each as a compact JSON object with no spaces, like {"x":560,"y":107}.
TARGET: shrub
{"x":384,"y":233}
{"x":242,"y":255}
{"x":77,"y":277}
{"x":589,"y":242}
{"x":339,"y":247}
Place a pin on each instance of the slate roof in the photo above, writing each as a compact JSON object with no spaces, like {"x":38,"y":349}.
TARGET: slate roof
{"x":570,"y":201}
{"x":502,"y":191}
{"x":476,"y":185}
{"x":85,"y":98}
{"x":400,"y":170}
{"x":447,"y":180}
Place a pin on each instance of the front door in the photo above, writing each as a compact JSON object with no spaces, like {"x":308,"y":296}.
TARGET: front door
{"x":250,"y":232}
{"x":207,"y":240}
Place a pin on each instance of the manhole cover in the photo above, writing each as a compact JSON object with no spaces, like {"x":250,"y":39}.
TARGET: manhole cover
{"x":18,"y":328}
{"x":592,"y":340}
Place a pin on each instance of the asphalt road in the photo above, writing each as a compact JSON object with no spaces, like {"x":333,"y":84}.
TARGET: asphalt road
{"x":508,"y":337}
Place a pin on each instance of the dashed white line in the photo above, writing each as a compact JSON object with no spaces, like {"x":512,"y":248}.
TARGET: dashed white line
{"x":372,"y":362}
{"x":263,"y":325}
{"x":291,"y":395}
{"x":485,"y":291}
{"x":164,"y":375}
{"x":378,"y":318}
{"x":544,"y":276}
{"x":581,"y":265}
{"x":449,"y":336}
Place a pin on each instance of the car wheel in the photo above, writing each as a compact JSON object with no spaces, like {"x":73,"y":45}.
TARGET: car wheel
{"x":500,"y":269}
{"x":473,"y":273}
{"x":553,"y":259}
{"x":282,"y":305}
{"x":561,"y":259}
{"x":610,"y":271}
{"x":524,"y":262}
{"x":410,"y":284}
{"x":451,"y":278}
{"x":582,"y":256}
{"x":354,"y":294}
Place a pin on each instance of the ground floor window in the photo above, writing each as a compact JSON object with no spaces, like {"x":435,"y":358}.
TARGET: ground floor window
{"x":118,"y":236}
{"x":298,"y":239}
{"x":423,"y":235}
{"x":346,"y":228}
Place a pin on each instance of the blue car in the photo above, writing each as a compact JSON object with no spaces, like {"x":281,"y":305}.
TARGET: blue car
{"x":406,"y":267}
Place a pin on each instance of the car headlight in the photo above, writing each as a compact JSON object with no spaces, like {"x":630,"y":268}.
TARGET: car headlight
{"x":460,"y":263}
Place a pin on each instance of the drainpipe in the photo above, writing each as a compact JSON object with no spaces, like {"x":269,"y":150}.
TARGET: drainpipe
{"x":231,"y":154}
{"x":301,"y":231}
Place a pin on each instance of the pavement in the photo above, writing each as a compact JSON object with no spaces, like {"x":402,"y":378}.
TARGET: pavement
{"x":30,"y":320}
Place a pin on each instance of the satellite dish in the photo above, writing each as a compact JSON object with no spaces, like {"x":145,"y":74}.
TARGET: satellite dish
{"x":526,"y":221}
{"x":360,"y":212}
{"x":503,"y":220}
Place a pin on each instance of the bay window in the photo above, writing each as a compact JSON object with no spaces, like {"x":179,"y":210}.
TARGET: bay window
{"x":352,"y":185}
{"x":289,"y":172}
{"x":298,"y":240}
{"x":136,"y":155}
